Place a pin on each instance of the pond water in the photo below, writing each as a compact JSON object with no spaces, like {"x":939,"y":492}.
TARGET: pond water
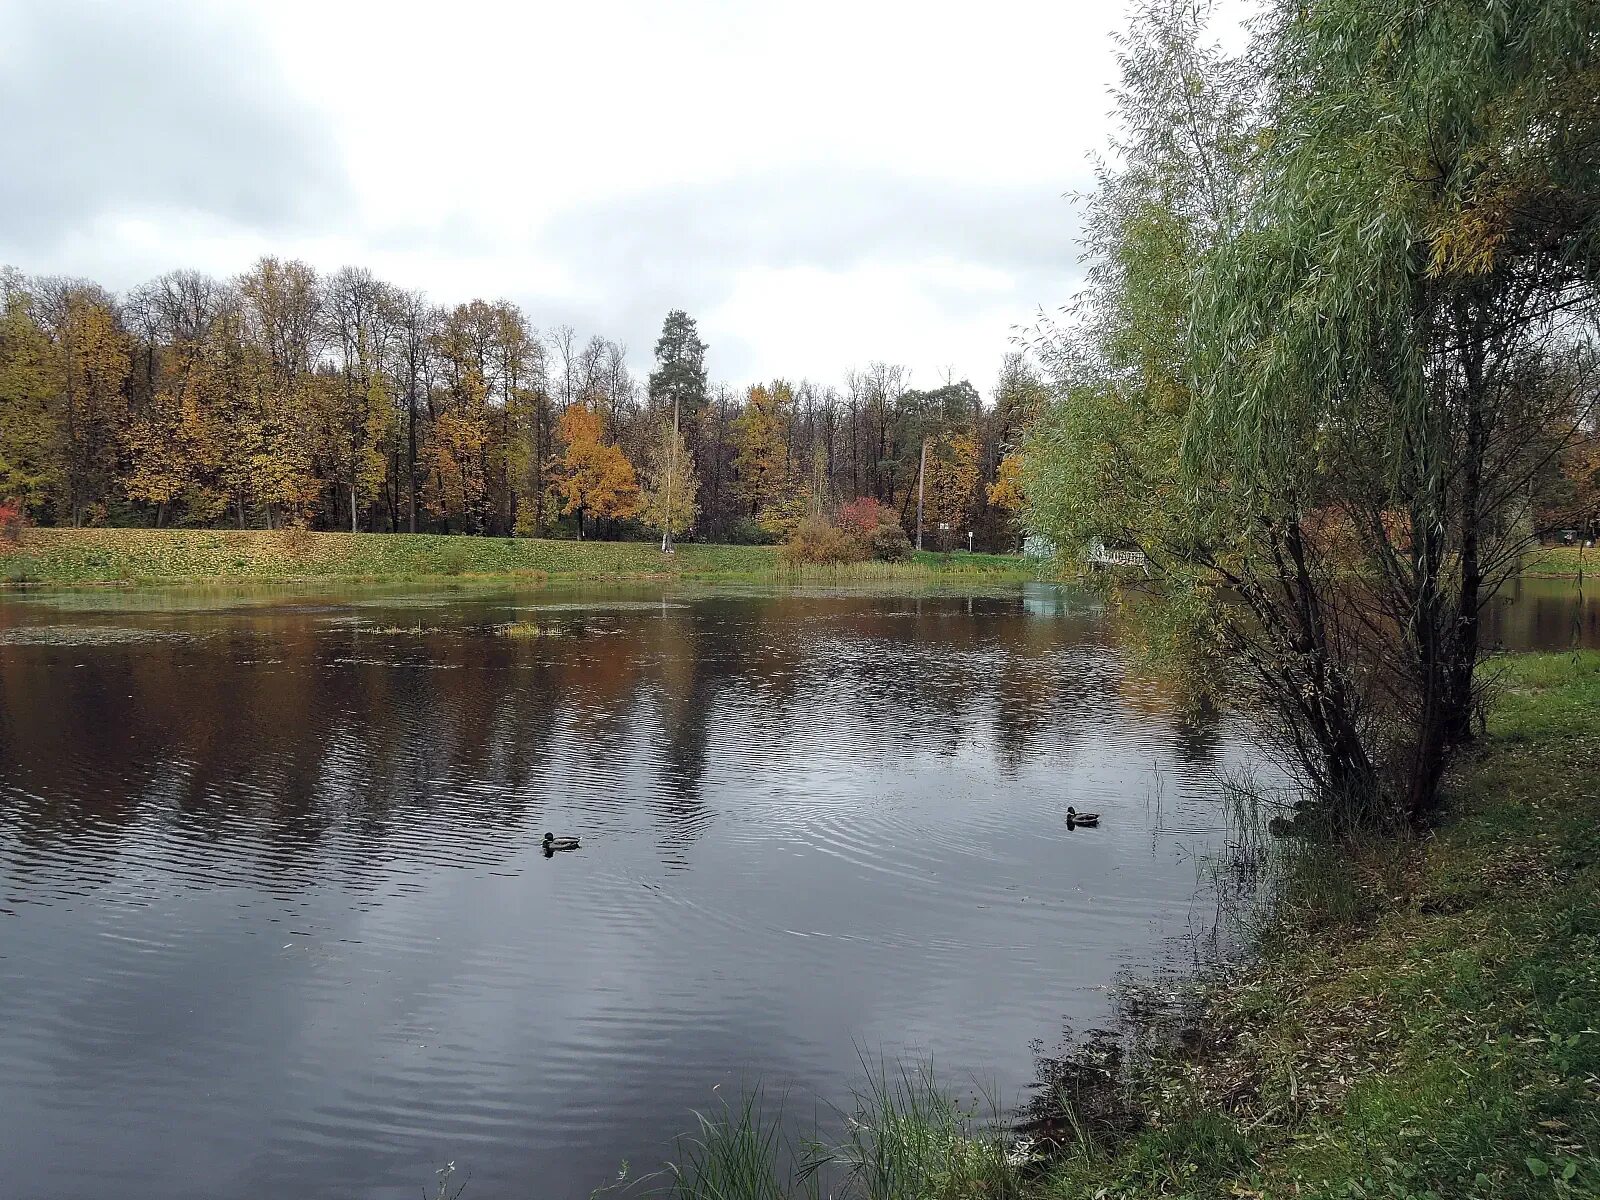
{"x":274,"y":918}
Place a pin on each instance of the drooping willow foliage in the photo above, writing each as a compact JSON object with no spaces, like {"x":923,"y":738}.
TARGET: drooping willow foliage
{"x":1374,"y":314}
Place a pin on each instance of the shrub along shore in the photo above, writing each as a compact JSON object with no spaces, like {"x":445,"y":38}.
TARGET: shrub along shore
{"x":1418,"y":1019}
{"x":83,"y":557}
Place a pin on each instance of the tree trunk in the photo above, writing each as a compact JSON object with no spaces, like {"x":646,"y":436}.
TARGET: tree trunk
{"x":1464,"y":645}
{"x":411,"y":456}
{"x":922,"y":475}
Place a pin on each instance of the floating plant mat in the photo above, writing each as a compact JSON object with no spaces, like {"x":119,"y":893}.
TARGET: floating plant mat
{"x":598,"y":606}
{"x":86,"y":635}
{"x":418,"y":664}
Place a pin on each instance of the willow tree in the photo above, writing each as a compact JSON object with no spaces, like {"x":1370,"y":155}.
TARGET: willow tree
{"x":1403,"y":315}
{"x":1386,"y":326}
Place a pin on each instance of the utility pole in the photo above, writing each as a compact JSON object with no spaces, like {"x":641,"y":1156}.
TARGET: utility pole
{"x":922,"y":475}
{"x":672,"y":466}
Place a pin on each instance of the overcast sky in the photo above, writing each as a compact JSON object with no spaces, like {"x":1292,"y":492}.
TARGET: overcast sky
{"x":819,"y":184}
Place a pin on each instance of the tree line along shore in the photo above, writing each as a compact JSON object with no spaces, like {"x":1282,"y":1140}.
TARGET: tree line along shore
{"x":285,"y":397}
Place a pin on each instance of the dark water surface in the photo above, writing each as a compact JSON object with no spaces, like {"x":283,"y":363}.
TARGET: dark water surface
{"x":274,"y":919}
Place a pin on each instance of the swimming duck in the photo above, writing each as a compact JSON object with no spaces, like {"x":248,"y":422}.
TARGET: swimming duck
{"x":551,"y":842}
{"x":1074,"y":817}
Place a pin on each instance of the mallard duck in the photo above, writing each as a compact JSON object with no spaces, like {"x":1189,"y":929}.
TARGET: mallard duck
{"x":552,"y":843}
{"x":1074,"y":817}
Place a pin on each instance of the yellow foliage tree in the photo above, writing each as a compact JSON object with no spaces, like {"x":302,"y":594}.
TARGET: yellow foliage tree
{"x":94,"y":406}
{"x":159,"y":464}
{"x":1005,"y":493}
{"x":30,"y":453}
{"x":952,"y":481}
{"x":762,"y":454}
{"x":592,"y":475}
{"x":669,"y":498}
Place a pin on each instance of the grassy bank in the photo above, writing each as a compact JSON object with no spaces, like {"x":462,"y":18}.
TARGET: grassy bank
{"x":1560,"y":562}
{"x":1421,"y":1021}
{"x":80,"y":557}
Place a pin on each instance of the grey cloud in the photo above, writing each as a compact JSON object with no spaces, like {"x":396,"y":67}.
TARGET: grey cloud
{"x":826,"y":218}
{"x":133,"y":108}
{"x":683,"y":247}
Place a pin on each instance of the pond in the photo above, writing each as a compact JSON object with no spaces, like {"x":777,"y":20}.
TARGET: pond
{"x":274,"y":917}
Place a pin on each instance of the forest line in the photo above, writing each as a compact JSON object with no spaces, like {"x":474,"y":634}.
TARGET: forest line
{"x":288,"y":399}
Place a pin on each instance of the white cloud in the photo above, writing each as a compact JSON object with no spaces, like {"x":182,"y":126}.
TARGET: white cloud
{"x":819,"y":183}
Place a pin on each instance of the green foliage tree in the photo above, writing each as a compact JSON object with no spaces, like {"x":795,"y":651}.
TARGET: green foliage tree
{"x":679,"y":380}
{"x":1327,"y":330}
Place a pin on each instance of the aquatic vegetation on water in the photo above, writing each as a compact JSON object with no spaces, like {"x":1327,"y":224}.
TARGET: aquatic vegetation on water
{"x":527,"y":629}
{"x":87,"y":635}
{"x":903,"y":1137}
{"x":603,"y":605}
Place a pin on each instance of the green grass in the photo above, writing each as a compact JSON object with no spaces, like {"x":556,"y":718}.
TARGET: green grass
{"x":902,"y":1138}
{"x":1420,"y":1021}
{"x":149,"y":556}
{"x":1561,"y":562}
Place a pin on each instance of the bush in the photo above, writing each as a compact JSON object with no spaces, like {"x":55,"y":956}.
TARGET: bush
{"x":877,"y":528}
{"x":11,"y":522}
{"x":747,"y":532}
{"x":890,"y":543}
{"x":816,"y":541}
{"x":863,"y":515}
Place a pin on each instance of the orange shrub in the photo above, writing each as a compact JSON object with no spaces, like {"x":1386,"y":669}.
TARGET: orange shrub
{"x":816,"y":541}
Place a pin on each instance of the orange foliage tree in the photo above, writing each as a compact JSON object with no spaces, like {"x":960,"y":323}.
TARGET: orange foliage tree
{"x":592,"y":475}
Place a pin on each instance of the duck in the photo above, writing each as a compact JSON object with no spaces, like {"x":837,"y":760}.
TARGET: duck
{"x":553,"y":843}
{"x":1074,"y":817}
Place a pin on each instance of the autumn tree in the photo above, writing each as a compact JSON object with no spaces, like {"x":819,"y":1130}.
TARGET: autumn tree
{"x":1005,"y":494}
{"x":92,"y":404}
{"x":283,"y":313}
{"x":765,"y":477}
{"x":416,"y":324}
{"x":30,"y":453}
{"x":669,"y":495}
{"x":284,"y":397}
{"x":281,"y":308}
{"x":524,"y":426}
{"x":952,"y":482}
{"x":358,"y":418}
{"x":592,"y":475}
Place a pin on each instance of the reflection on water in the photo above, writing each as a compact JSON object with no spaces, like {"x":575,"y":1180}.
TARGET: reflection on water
{"x":1544,"y":614}
{"x":274,"y":917}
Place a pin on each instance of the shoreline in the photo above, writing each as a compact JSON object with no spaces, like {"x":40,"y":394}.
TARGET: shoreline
{"x":142,"y":558}
{"x":1414,"y":1018}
